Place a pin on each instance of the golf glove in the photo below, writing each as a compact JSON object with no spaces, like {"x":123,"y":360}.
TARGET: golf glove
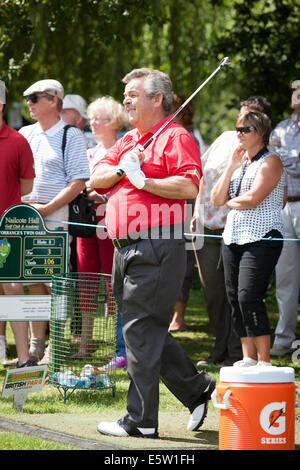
{"x":137,"y":178}
{"x":130,"y":163}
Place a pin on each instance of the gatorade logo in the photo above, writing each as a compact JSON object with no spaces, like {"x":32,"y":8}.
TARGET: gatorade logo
{"x":272,"y":418}
{"x":273,"y":421}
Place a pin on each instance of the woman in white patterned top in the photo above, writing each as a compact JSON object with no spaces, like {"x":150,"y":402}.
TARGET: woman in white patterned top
{"x":252,"y":187}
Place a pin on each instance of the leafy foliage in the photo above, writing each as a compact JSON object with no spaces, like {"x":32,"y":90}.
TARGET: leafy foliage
{"x":89,"y":45}
{"x":263,"y":38}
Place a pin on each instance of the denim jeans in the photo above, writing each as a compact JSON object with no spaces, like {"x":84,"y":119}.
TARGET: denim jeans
{"x":247,"y":270}
{"x":120,"y":343}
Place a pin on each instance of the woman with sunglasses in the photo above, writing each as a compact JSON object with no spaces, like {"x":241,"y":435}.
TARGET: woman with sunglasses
{"x":252,"y":187}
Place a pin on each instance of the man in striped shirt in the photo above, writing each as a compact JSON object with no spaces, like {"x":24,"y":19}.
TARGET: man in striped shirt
{"x":285,"y":141}
{"x":60,"y":177}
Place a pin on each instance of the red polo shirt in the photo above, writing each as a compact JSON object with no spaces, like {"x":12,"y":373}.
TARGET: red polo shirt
{"x":172,"y":153}
{"x":16,"y":161}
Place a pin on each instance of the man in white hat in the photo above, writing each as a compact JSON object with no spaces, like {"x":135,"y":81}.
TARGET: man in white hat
{"x":60,"y":176}
{"x":17,"y":174}
{"x":74,"y":113}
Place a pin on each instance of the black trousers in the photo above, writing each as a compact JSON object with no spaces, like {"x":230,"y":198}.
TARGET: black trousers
{"x":227,"y":344}
{"x":247,"y":271}
{"x":147,"y":277}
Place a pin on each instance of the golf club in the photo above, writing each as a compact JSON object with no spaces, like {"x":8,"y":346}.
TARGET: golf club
{"x":225,"y":61}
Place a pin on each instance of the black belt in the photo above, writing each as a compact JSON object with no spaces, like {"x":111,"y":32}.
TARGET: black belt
{"x":121,"y":242}
{"x":156,"y":232}
{"x":293,"y":198}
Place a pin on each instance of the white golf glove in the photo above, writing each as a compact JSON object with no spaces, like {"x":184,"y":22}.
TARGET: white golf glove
{"x":137,"y":178}
{"x":130,"y":163}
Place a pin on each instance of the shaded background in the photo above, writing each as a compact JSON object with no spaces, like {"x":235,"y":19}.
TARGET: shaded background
{"x":89,"y":45}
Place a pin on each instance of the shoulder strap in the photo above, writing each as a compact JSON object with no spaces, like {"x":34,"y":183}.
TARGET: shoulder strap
{"x":242,"y":173}
{"x":260,"y":154}
{"x":64,"y":139}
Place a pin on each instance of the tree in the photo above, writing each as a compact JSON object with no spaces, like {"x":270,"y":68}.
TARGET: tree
{"x":263,"y":39}
{"x":89,"y":45}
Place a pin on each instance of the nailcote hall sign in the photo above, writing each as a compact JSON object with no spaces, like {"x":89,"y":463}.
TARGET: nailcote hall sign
{"x":28,"y":250}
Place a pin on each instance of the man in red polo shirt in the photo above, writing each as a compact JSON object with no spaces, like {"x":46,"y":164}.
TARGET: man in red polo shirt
{"x":144,"y":217}
{"x":17,"y":174}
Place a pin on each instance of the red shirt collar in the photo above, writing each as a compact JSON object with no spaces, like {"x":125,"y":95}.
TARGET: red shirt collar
{"x":142,"y":140}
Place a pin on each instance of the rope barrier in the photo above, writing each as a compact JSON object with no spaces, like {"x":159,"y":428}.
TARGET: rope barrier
{"x":64,"y":222}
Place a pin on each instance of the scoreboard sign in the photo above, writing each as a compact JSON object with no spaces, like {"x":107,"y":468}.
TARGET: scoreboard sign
{"x":28,"y":250}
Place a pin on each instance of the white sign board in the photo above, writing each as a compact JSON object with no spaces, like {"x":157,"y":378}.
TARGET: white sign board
{"x":25,"y":307}
{"x":20,"y":382}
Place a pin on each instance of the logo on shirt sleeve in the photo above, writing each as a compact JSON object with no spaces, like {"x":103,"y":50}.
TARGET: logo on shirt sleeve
{"x":194,"y":172}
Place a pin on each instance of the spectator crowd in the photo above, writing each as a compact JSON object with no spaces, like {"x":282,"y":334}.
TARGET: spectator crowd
{"x":243,"y":192}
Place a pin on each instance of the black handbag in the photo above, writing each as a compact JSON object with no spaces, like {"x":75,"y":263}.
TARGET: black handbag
{"x":81,"y":209}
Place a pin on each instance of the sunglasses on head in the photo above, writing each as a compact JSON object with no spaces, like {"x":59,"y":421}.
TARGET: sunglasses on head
{"x":245,"y":129}
{"x":35,"y":98}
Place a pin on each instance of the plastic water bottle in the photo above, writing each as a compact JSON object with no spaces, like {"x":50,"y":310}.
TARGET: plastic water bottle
{"x":65,"y":379}
{"x":104,"y":379}
{"x":71,"y":381}
{"x":92,"y":379}
{"x":87,"y":371}
{"x":56,"y":376}
{"x":84,"y":382}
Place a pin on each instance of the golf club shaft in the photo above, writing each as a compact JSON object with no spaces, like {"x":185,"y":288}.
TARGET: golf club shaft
{"x":225,"y":61}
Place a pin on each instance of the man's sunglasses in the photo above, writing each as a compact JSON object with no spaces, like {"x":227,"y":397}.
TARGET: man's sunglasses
{"x":35,"y":98}
{"x":245,"y":129}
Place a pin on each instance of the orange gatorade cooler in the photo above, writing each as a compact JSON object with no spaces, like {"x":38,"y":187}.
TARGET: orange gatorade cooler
{"x":256,"y":408}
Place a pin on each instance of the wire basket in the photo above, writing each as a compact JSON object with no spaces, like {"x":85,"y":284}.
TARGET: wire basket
{"x":82,"y":333}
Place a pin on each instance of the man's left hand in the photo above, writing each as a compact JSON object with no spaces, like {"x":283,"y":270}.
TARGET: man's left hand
{"x":137,"y":179}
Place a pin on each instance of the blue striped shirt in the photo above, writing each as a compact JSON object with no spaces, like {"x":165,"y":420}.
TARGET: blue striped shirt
{"x":285,"y":141}
{"x":53,"y":170}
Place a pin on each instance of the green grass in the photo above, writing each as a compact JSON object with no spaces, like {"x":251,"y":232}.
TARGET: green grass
{"x":197,"y":340}
{"x":14,"y":441}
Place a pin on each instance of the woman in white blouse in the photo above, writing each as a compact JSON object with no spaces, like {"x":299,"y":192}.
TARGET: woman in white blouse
{"x":252,"y":187}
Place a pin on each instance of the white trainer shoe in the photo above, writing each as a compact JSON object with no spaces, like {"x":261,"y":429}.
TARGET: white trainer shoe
{"x":264,"y":364}
{"x":245,"y":362}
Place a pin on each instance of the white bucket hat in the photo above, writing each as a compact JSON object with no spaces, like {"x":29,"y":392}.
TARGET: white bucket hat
{"x":2,"y":92}
{"x":76,"y":102}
